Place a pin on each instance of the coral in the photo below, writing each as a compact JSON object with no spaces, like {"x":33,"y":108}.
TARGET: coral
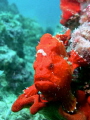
{"x":5,"y":7}
{"x":3,"y":82}
{"x":80,"y":43}
{"x":14,"y":31}
{"x":74,"y":12}
{"x":69,"y":8}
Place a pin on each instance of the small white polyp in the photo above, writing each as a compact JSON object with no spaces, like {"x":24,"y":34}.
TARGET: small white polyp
{"x":42,"y":52}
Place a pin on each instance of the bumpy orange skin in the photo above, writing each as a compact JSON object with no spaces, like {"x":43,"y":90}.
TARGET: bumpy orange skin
{"x":52,"y":72}
{"x":52,"y":78}
{"x":29,"y":98}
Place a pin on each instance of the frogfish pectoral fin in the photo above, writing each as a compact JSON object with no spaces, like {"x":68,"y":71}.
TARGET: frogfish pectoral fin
{"x":69,"y":105}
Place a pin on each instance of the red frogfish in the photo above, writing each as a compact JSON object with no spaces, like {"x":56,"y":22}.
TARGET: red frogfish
{"x":53,"y":73}
{"x":52,"y":79}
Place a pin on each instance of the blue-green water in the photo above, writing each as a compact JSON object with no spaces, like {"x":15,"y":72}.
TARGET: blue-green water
{"x":46,"y":12}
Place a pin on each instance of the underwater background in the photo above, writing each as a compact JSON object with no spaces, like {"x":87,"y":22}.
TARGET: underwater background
{"x":47,"y":13}
{"x":22,"y":23}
